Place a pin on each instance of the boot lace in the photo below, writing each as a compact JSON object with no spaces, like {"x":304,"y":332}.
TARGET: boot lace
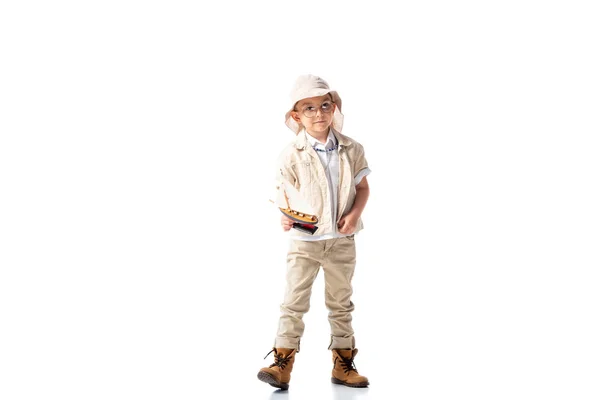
{"x":347,"y":363}
{"x":280,"y":361}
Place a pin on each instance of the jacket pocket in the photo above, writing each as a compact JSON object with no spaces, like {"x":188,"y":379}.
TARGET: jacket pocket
{"x":304,"y":172}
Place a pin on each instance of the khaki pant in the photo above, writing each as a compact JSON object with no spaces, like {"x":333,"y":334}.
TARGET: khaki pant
{"x":338,"y":258}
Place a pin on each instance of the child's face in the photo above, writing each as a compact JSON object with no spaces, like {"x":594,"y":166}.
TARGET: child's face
{"x":315,"y":113}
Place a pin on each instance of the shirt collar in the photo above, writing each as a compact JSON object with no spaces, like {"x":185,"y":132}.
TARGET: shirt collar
{"x":314,"y":142}
{"x":301,"y":139}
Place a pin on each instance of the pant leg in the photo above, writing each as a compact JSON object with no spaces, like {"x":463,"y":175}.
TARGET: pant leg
{"x":338,"y":266}
{"x":303,"y":262}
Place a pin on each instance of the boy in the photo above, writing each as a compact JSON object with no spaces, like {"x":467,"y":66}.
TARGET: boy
{"x":329,"y":170}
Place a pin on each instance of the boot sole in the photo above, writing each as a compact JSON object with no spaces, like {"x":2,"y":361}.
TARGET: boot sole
{"x":263,"y":376}
{"x":354,"y":385}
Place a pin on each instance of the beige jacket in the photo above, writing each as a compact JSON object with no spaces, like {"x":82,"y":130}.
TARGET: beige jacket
{"x":301,"y":166}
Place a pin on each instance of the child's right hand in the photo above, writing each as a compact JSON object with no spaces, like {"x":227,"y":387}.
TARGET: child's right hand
{"x":286,"y":223}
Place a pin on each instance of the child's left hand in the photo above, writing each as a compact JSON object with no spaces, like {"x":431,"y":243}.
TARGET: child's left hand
{"x":347,"y":224}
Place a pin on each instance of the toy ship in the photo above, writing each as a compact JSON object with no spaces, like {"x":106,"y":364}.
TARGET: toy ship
{"x":292,"y":204}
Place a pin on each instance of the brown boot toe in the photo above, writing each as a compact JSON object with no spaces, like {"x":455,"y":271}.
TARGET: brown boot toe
{"x":267,"y":376}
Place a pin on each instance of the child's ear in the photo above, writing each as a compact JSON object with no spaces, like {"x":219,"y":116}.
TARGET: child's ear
{"x":296,"y":116}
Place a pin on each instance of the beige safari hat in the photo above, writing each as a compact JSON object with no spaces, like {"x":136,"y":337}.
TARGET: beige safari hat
{"x":312,"y":86}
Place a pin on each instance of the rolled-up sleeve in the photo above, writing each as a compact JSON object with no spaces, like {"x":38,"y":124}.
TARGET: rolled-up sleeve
{"x":360,"y":175}
{"x":361,"y":167}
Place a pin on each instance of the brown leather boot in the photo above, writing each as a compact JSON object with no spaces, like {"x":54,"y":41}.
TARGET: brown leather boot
{"x":278,"y":373}
{"x":344,"y":372}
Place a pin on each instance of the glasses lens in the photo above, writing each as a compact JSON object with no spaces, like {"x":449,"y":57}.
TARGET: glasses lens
{"x":310,"y":112}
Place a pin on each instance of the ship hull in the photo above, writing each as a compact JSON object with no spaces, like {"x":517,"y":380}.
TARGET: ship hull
{"x":303,"y":220}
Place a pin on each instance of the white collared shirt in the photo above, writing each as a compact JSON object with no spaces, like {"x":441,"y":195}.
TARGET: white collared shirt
{"x":331,"y":164}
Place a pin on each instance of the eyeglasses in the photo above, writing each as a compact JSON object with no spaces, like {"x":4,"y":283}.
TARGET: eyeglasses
{"x":311,"y":111}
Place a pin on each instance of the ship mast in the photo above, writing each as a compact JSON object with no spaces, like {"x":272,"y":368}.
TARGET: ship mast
{"x":286,"y":198}
{"x":284,"y":193}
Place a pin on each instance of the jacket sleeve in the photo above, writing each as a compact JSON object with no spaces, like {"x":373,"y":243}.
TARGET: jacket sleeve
{"x":361,"y":167}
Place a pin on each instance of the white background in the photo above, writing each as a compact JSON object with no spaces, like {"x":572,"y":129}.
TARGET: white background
{"x":140,"y":257}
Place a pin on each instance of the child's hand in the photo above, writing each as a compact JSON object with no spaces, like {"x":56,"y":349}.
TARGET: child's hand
{"x":347,"y":224}
{"x":286,"y":223}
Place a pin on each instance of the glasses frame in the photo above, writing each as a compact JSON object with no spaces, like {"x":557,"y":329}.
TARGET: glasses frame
{"x":316,"y":110}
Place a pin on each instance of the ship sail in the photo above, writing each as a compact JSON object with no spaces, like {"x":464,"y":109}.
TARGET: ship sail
{"x":280,"y":199}
{"x":295,"y":199}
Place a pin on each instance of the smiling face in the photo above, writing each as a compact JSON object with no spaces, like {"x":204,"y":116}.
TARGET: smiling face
{"x":315,"y":114}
